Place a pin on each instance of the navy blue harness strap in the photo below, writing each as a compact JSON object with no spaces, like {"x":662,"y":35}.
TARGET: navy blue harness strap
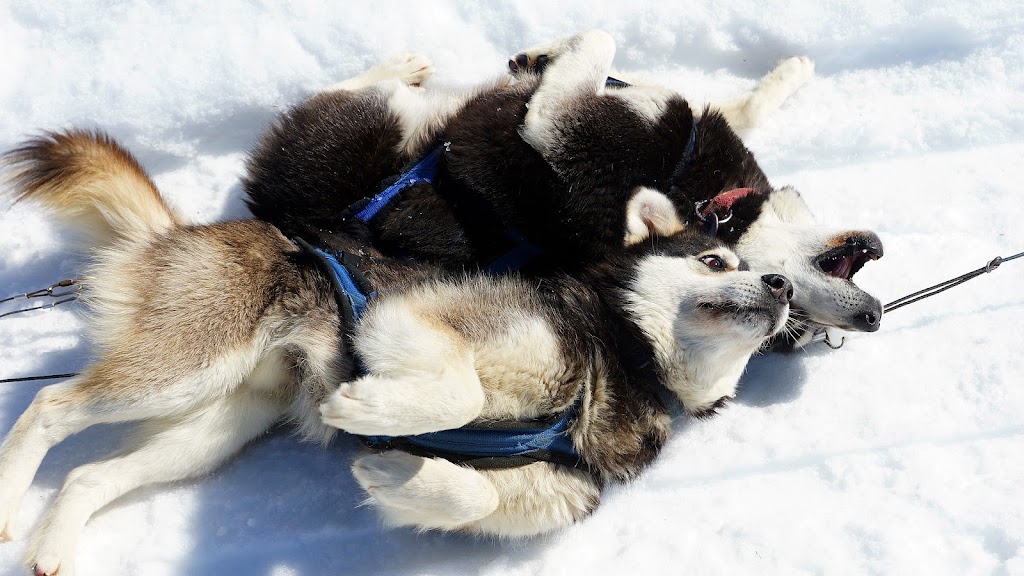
{"x":521,"y":254}
{"x":497,"y":445}
{"x":687,"y":156}
{"x":491,"y":445}
{"x":424,"y":170}
{"x":351,"y":289}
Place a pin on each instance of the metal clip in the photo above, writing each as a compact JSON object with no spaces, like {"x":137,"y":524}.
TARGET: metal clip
{"x":711,"y":220}
{"x":822,"y":335}
{"x":51,"y":291}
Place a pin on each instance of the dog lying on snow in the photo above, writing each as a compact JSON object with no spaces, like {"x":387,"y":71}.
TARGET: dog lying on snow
{"x":555,"y":157}
{"x":217,"y":332}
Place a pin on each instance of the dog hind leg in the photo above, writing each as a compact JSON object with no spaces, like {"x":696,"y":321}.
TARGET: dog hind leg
{"x":165,"y":451}
{"x":399,"y":80}
{"x":537,"y":498}
{"x":751,"y":109}
{"x":58,"y":411}
{"x":427,"y":493}
{"x":435,"y":494}
{"x":410,"y":69}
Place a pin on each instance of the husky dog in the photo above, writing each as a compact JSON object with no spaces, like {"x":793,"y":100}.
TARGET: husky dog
{"x":217,"y":332}
{"x":554,"y":155}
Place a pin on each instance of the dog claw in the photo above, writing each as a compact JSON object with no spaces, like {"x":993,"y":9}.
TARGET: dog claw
{"x":518,"y":63}
{"x":522,"y":62}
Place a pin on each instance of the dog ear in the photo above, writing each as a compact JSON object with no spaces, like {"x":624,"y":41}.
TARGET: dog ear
{"x":650,"y":213}
{"x":790,"y":207}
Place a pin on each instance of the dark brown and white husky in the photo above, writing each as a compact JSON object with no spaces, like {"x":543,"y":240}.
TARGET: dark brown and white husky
{"x":555,"y":156}
{"x":208,"y":335}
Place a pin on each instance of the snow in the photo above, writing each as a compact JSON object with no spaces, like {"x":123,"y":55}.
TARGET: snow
{"x":898,"y":454}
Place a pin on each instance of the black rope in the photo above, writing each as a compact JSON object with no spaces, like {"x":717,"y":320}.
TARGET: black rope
{"x":40,"y":307}
{"x":943,"y":286}
{"x":31,"y":378}
{"x":51,"y":291}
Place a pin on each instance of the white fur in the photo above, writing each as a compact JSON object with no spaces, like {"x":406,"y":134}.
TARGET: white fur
{"x":650,"y":213}
{"x":784,"y":239}
{"x":163,"y":451}
{"x":409,"y":68}
{"x":752,"y":109}
{"x":421,"y":113}
{"x":400,"y":80}
{"x":449,"y":398}
{"x":429,"y":493}
{"x":525,"y":353}
{"x":579,"y":63}
{"x":649,"y":102}
{"x":536,"y":499}
{"x":702,"y":358}
{"x":421,"y":377}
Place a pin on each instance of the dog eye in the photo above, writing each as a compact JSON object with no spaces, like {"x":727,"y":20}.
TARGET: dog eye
{"x":713,"y":262}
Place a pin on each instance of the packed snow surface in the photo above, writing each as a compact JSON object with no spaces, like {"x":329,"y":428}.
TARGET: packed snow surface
{"x":900,"y":453}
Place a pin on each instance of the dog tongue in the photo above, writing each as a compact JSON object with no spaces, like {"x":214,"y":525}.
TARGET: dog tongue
{"x":844,"y":267}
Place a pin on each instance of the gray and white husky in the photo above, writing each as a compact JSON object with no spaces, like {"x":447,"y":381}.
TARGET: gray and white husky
{"x":555,"y":154}
{"x":207,"y":335}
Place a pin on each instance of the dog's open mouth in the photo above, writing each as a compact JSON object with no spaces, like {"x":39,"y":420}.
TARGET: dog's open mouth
{"x":846,"y":260}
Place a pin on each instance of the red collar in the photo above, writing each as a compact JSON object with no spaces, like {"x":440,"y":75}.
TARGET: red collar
{"x":724,"y":201}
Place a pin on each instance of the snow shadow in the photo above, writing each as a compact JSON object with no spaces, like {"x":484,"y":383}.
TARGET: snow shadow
{"x":303,"y":499}
{"x":774,"y":378}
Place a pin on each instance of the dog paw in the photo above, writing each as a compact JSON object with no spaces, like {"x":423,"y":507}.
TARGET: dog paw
{"x":51,"y":564}
{"x":8,"y":527}
{"x":410,"y":68}
{"x":51,"y":547}
{"x":432,"y":493}
{"x":355,"y":408}
{"x":377,"y":406}
{"x":50,"y":567}
{"x":795,"y":71}
{"x":387,"y":473}
{"x":592,"y":43}
{"x":527,"y":62}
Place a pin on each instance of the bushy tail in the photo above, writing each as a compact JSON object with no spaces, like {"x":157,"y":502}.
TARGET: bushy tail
{"x":91,"y":183}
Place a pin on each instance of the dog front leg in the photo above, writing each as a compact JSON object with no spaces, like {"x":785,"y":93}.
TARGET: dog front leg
{"x":421,"y":376}
{"x":414,"y":404}
{"x":574,"y":66}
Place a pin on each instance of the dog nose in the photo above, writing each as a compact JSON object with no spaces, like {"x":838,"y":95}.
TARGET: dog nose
{"x":868,"y":320}
{"x":780,"y":286}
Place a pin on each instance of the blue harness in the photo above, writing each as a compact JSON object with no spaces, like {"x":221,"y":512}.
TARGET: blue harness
{"x":425,"y":170}
{"x":522,"y":251}
{"x":482,"y":445}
